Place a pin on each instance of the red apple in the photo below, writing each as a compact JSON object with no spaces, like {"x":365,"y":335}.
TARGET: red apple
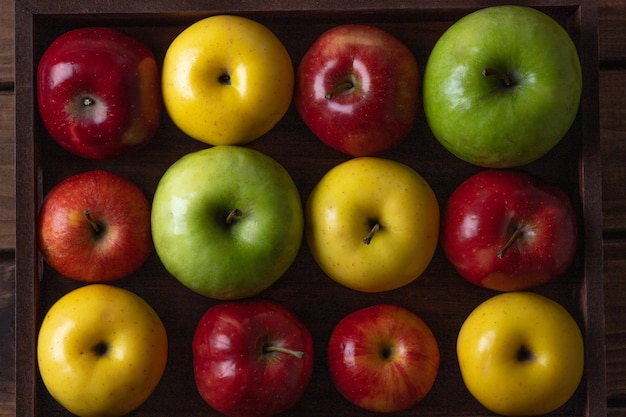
{"x":98,"y":92}
{"x":95,"y":227}
{"x":507,"y":230}
{"x":383,"y":358}
{"x":357,"y":89}
{"x":251,"y":358}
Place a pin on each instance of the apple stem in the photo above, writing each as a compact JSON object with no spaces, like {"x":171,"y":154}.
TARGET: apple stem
{"x":344,"y":86}
{"x":91,"y":221}
{"x":371,"y":234}
{"x":235,"y":214}
{"x":88,"y":101}
{"x":516,"y":234}
{"x":297,"y":353}
{"x":498,"y":73}
{"x":224,"y":79}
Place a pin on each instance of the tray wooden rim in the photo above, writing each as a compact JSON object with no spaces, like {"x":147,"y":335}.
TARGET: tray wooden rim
{"x":28,"y":175}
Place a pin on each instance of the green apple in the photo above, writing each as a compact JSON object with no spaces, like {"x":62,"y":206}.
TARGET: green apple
{"x":521,"y":354}
{"x":227,"y":221}
{"x":372,"y":224}
{"x":502,"y":86}
{"x":227,"y":80}
{"x":101,"y":351}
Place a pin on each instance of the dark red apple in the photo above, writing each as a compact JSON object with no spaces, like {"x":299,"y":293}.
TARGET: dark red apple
{"x":357,"y":89}
{"x":251,"y":358}
{"x":98,"y":92}
{"x":95,"y":227}
{"x":383,"y":358}
{"x":507,"y":230}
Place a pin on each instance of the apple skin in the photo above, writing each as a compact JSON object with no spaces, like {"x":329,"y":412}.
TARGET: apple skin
{"x":98,"y":92}
{"x":345,"y":206}
{"x":521,"y":354}
{"x":193,"y":238}
{"x":237,"y":372}
{"x":381,"y":101}
{"x":68,"y":240}
{"x":479,"y":118}
{"x":487,"y":209}
{"x":101,"y":351}
{"x":227,"y":80}
{"x":383,"y":358}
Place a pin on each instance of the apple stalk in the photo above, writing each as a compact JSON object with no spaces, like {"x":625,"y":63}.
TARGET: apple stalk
{"x":514,"y":236}
{"x":271,"y":349}
{"x":490,"y":72}
{"x":94,"y":225}
{"x":233,"y":215}
{"x":371,"y":233}
{"x":343,"y":87}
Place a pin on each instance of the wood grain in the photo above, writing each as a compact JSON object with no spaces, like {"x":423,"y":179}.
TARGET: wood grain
{"x":7,"y":127}
{"x":7,"y":43}
{"x":7,"y":335}
{"x":613,"y":144}
{"x":615,"y":282}
{"x":612,"y":35}
{"x":7,"y":171}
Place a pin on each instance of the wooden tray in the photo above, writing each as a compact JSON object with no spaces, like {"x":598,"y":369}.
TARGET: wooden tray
{"x":440,"y":296}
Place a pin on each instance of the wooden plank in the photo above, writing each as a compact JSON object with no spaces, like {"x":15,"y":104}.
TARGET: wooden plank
{"x":7,"y":171}
{"x":7,"y":127}
{"x":615,"y":282}
{"x":612,"y":35}
{"x":613,"y":143}
{"x":7,"y":43}
{"x":7,"y":335}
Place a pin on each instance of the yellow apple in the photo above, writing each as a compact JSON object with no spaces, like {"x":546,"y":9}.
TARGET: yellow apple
{"x":227,"y":80}
{"x":101,"y":351}
{"x":372,"y":224}
{"x":521,"y":354}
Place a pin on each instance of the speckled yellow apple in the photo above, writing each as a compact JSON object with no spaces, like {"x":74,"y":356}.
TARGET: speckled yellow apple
{"x":372,"y":224}
{"x":227,"y":80}
{"x":521,"y":354}
{"x":101,"y":351}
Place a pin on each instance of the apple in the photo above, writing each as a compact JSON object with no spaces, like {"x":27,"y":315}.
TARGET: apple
{"x":383,"y":358}
{"x":94,"y":227}
{"x":227,"y":80}
{"x":502,"y":86}
{"x":251,"y":358}
{"x":372,"y":224}
{"x":227,"y":221}
{"x":508,"y":230}
{"x":98,"y":92}
{"x":101,"y":351}
{"x":357,"y":89}
{"x":520,"y":354}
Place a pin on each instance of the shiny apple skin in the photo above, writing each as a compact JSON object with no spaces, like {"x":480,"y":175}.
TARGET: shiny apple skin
{"x":70,"y":245}
{"x":481,"y":215}
{"x":494,"y":122}
{"x":383,"y":358}
{"x":227,"y":80}
{"x":232,"y":372}
{"x":101,"y":351}
{"x":119,"y":73}
{"x":342,"y":209}
{"x":521,"y":354}
{"x":379,"y":111}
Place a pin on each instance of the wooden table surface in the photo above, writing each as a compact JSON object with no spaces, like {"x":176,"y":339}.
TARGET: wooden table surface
{"x":612,"y":58}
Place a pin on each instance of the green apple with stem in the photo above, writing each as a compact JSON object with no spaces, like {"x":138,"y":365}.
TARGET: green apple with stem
{"x":227,"y":221}
{"x":502,"y":86}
